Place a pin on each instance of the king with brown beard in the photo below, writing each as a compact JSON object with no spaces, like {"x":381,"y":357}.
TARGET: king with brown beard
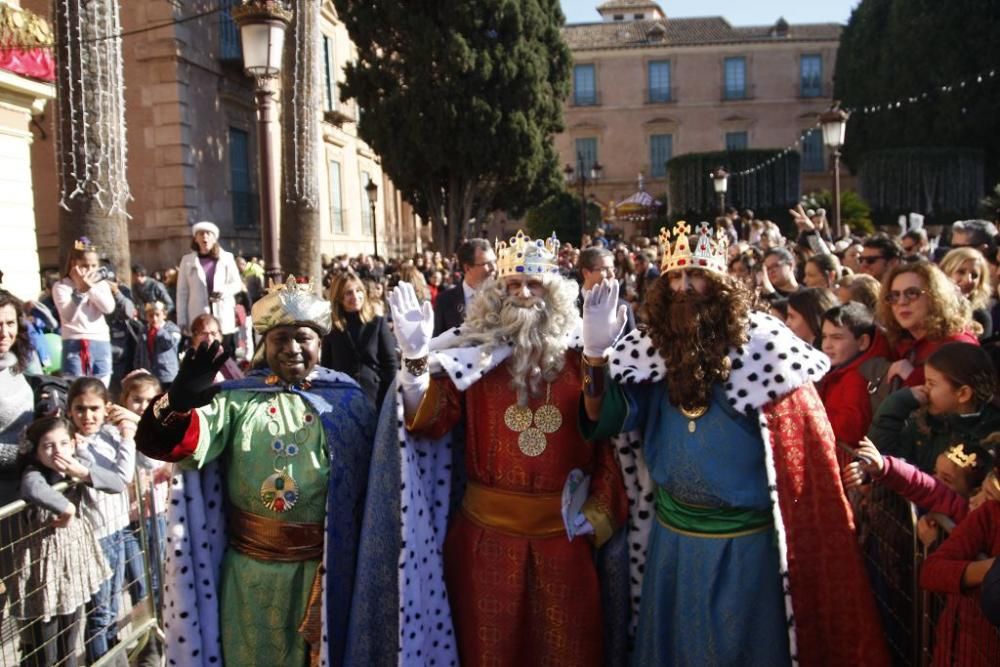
{"x":520,"y":570}
{"x":742,"y":543}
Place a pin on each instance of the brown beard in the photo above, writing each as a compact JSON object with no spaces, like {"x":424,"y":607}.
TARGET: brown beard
{"x":694,"y":332}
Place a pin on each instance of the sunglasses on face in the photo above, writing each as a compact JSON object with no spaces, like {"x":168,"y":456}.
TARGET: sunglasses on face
{"x":870,"y":260}
{"x":906,"y":296}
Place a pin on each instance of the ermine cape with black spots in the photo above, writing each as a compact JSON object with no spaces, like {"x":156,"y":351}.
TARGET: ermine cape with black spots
{"x":830,"y":610}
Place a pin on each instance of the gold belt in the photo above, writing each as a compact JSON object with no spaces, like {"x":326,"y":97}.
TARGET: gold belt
{"x":524,"y":514}
{"x":272,"y":540}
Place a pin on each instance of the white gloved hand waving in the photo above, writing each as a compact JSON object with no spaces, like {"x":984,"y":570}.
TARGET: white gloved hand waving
{"x":413,"y":323}
{"x":603,"y":319}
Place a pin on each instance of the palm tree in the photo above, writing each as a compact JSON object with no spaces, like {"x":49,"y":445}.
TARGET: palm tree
{"x":91,"y":144}
{"x":300,"y":105}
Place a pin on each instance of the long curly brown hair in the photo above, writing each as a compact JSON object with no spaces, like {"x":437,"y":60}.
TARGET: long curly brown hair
{"x":693,"y":333}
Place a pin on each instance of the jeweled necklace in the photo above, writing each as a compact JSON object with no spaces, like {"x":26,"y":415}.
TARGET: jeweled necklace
{"x":546,"y":419}
{"x":279,"y":491}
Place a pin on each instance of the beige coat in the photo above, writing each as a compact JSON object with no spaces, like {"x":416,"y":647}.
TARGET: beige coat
{"x":192,"y":293}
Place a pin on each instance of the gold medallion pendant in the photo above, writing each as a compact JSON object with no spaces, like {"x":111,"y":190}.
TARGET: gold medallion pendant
{"x":546,"y":419}
{"x":693,"y":414}
{"x":279,"y":492}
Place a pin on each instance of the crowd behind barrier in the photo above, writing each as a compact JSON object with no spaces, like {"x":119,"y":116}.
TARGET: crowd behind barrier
{"x":906,"y":321}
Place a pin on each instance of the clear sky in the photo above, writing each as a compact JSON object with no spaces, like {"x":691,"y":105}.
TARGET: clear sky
{"x":737,"y":12}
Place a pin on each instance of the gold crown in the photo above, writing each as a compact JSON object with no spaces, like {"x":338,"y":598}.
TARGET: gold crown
{"x":291,"y":303}
{"x":522,"y":256}
{"x":83,"y":243}
{"x":958,"y":456}
{"x":710,"y":250}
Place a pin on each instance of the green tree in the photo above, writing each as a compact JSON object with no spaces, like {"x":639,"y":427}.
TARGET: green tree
{"x":560,"y":214}
{"x":854,"y":210}
{"x":900,"y":50}
{"x":460,"y":99}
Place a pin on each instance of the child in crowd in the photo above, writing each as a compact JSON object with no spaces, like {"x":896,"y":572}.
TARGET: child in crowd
{"x":113,"y":448}
{"x":83,"y":298}
{"x":955,"y":404}
{"x":157,"y":350}
{"x":60,"y":564}
{"x":139,"y":388}
{"x":964,"y":636}
{"x":849,"y":339}
{"x":205,"y":329}
{"x":958,"y":473}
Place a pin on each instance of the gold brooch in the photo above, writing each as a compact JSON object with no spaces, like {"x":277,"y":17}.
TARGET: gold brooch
{"x":546,"y":419}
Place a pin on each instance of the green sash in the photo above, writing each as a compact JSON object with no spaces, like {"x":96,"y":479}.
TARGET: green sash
{"x":709,"y":521}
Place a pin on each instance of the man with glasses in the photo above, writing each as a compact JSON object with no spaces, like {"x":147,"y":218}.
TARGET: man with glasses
{"x":597,"y":264}
{"x":779,"y":264}
{"x":915,"y":243}
{"x":978,"y":234}
{"x":478,"y":263}
{"x":879,"y":253}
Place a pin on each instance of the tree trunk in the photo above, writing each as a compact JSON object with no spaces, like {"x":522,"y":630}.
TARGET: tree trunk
{"x":91,"y":143}
{"x":301,"y":155}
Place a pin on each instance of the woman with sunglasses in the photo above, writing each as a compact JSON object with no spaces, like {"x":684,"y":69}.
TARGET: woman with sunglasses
{"x":921,"y":310}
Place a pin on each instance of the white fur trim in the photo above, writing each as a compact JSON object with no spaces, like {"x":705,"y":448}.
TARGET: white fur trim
{"x":467,"y":365}
{"x":426,"y":635}
{"x":773,"y":363}
{"x":780,"y":535}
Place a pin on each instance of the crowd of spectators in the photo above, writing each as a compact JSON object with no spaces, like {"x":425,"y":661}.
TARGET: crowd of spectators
{"x":907,"y":322}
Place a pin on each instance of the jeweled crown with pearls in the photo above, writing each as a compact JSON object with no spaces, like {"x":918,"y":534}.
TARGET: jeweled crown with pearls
{"x":710,"y":250}
{"x":291,"y":303}
{"x":522,"y":256}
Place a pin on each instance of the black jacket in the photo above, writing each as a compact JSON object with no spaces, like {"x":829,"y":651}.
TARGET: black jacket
{"x":371,"y":360}
{"x":449,"y":309}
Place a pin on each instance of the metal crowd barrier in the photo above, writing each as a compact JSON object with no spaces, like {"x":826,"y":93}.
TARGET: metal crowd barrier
{"x":921,"y":628}
{"x":30,"y":642}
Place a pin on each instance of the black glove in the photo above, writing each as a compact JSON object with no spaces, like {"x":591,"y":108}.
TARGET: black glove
{"x":195,"y":385}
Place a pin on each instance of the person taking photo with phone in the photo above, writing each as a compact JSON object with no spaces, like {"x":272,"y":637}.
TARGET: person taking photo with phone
{"x":83,"y":298}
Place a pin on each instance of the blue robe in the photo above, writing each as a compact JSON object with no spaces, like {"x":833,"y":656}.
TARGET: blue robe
{"x":706,"y":600}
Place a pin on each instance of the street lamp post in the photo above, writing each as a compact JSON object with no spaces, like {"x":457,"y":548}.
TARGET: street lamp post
{"x":262,"y":26}
{"x":372,"y":191}
{"x":834,"y":124}
{"x":595,"y":174}
{"x":720,"y":181}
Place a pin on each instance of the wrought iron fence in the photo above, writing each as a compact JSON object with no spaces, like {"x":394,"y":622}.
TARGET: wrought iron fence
{"x":87,"y":634}
{"x":921,"y":628}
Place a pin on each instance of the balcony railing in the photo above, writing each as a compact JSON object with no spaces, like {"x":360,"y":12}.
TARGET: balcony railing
{"x":736,"y":94}
{"x":659,"y":95}
{"x":586,"y":99}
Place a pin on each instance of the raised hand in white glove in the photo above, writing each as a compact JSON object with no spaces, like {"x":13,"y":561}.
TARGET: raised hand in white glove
{"x":412,"y":322}
{"x":603,"y":319}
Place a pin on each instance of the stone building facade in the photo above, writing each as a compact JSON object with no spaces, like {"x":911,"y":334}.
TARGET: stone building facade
{"x":25,"y":88}
{"x":647,"y":87}
{"x":192,"y":142}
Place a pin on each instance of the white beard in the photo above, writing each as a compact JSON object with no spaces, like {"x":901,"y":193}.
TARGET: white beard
{"x":537,"y":330}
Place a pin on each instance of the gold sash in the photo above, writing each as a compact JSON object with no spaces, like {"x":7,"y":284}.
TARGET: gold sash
{"x":523,"y":514}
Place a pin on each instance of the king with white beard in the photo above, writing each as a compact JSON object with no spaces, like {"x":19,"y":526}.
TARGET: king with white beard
{"x":520,"y":592}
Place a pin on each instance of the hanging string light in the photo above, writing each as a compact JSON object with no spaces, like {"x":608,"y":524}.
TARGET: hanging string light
{"x":868,"y":109}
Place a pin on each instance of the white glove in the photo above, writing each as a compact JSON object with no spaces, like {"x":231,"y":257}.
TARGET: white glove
{"x":603,"y":320}
{"x":412,"y":322}
{"x":581,"y":526}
